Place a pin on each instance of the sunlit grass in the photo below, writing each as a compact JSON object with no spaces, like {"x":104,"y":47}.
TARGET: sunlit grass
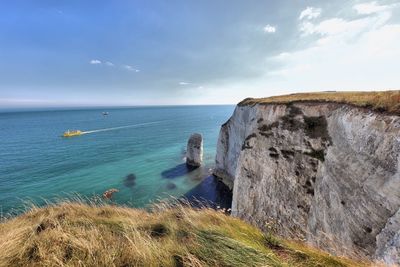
{"x":388,"y":101}
{"x":79,"y":234}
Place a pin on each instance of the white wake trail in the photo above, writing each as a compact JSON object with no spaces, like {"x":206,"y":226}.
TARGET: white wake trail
{"x":120,"y":127}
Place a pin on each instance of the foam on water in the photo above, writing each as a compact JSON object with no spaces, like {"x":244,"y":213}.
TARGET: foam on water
{"x":120,"y":127}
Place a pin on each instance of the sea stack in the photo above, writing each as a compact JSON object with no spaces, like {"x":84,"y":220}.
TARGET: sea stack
{"x":194,"y":151}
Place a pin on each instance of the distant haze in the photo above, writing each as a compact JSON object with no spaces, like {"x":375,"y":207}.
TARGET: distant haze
{"x":122,"y":53}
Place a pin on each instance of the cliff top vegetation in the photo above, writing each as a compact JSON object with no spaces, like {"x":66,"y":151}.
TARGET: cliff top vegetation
{"x":384,"y":101}
{"x":78,"y":234}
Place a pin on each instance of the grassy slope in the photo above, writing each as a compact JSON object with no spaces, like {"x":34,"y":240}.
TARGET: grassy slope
{"x":75,"y":234}
{"x":388,"y":101}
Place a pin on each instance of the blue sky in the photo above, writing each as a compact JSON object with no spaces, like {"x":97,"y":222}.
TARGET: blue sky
{"x":89,"y":53}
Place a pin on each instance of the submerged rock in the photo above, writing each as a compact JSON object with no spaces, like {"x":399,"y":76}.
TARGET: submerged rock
{"x":194,"y":153}
{"x":130,"y":180}
{"x":171,"y":186}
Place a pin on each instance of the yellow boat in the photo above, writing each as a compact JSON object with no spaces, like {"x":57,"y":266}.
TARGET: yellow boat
{"x":72,"y":133}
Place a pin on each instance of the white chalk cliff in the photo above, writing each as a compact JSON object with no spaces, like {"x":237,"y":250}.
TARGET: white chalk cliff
{"x":325,"y":172}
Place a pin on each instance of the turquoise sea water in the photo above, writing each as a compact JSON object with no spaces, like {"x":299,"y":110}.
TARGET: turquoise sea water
{"x":144,"y":159}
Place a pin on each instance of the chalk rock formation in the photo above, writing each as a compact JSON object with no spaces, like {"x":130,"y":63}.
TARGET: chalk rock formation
{"x":194,"y":151}
{"x":325,"y":172}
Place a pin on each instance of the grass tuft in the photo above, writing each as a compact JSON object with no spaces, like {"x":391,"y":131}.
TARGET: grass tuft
{"x":78,"y":234}
{"x":159,"y":230}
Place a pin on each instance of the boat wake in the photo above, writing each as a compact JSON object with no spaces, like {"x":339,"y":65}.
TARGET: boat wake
{"x":120,"y":127}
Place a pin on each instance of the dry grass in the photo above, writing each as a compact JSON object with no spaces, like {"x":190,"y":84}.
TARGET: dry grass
{"x":386,"y":101}
{"x":77,"y":234}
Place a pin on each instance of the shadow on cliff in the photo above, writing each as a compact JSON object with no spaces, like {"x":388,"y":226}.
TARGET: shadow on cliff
{"x":211,"y":192}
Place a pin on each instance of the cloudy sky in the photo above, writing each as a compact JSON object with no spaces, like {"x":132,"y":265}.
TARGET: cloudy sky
{"x":88,"y":53}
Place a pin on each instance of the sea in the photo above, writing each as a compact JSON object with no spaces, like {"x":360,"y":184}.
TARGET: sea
{"x":140,"y":151}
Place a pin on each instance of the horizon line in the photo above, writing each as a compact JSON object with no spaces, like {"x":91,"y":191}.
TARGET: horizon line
{"x":72,"y":108}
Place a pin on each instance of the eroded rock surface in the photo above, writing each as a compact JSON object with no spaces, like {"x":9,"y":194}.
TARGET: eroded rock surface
{"x":325,"y":172}
{"x":194,"y":152}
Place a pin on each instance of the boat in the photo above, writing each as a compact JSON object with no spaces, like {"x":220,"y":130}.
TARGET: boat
{"x":72,"y":133}
{"x":105,"y":113}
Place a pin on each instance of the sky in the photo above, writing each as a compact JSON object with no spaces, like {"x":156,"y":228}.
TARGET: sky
{"x":183,"y":52}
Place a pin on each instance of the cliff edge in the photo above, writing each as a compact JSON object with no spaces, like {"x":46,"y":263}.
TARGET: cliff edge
{"x":322,"y":167}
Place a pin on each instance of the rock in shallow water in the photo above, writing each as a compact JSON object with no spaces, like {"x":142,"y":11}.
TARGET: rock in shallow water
{"x":194,"y":153}
{"x":130,"y":180}
{"x":171,"y":186}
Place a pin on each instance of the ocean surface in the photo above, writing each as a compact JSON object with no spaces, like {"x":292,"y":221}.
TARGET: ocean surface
{"x":139,"y":151}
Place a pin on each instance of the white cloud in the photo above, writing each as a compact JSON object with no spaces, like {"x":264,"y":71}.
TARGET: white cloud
{"x":110,"y":64}
{"x":345,"y":29}
{"x":335,"y":26}
{"x":95,"y":61}
{"x":280,"y":57}
{"x":361,"y":53}
{"x":130,"y":68}
{"x":310,"y":13}
{"x":184,"y":83}
{"x":269,"y":29}
{"x":307,"y":28}
{"x":291,"y":70}
{"x":357,"y":54}
{"x":370,"y":8}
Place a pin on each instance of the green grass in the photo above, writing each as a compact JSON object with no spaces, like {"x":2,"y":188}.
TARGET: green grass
{"x":384,"y":101}
{"x":77,"y":234}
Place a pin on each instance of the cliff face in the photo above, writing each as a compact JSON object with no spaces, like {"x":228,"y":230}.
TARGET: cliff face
{"x":326,"y":172}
